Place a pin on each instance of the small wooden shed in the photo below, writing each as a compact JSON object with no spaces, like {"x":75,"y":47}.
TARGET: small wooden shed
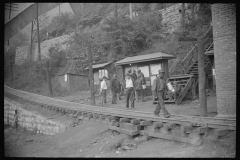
{"x":149,"y":65}
{"x":100,"y":70}
{"x":73,"y":78}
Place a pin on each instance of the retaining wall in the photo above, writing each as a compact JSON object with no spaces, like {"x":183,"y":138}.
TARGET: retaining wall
{"x":16,"y":116}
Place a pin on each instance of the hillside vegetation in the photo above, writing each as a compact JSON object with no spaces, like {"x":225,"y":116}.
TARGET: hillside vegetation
{"x":113,"y":36}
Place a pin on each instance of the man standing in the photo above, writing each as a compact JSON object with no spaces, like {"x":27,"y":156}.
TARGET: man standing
{"x":143,"y":82}
{"x":118,"y":88}
{"x":103,"y":91}
{"x":159,"y":89}
{"x":129,"y":90}
{"x":134,"y":76}
{"x":114,"y":89}
{"x":139,"y":88}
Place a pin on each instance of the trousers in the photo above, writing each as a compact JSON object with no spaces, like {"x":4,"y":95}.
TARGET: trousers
{"x":130,"y":96}
{"x":160,"y":105}
{"x":139,"y":93}
{"x":114,"y":96}
{"x":104,"y":97}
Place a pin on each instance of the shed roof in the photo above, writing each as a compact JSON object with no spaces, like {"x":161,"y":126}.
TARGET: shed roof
{"x":144,"y":58}
{"x":95,"y":66}
{"x":71,"y":68}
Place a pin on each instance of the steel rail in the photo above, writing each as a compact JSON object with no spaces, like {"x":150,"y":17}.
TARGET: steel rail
{"x":178,"y":119}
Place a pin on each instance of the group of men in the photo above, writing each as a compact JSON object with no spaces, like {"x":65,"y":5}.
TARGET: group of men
{"x":134,"y":84}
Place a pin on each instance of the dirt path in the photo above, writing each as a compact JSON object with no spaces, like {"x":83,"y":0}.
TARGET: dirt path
{"x":92,"y":139}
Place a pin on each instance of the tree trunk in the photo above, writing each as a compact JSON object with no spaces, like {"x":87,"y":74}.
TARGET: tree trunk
{"x":116,"y":12}
{"x":183,"y":15}
{"x":192,"y":10}
{"x":91,"y":78}
{"x":49,"y":79}
{"x":130,"y":10}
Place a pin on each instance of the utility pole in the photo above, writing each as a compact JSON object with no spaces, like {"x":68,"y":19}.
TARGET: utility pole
{"x":201,"y":74}
{"x":48,"y":78}
{"x":183,"y":15}
{"x":59,"y":10}
{"x":91,"y":78}
{"x":202,"y":78}
{"x":39,"y":42}
{"x":130,"y":9}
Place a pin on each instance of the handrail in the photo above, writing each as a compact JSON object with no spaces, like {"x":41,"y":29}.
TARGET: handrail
{"x":189,"y":52}
{"x":207,"y":32}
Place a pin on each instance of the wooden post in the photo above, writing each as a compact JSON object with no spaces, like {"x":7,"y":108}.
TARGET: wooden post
{"x":39,"y":42}
{"x":130,"y":10}
{"x":193,"y":88}
{"x":31,"y":42}
{"x":91,"y":78}
{"x":49,"y":78}
{"x":202,"y":78}
{"x":183,"y":15}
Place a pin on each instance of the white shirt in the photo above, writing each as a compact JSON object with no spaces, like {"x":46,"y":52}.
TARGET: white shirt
{"x":103,"y":85}
{"x":129,"y":83}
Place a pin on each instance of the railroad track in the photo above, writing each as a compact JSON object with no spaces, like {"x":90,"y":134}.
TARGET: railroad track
{"x":189,"y":129}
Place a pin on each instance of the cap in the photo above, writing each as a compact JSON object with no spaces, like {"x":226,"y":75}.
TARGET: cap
{"x":161,"y":71}
{"x":104,"y":77}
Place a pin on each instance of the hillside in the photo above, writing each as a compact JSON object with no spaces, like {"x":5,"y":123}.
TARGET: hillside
{"x":154,"y":27}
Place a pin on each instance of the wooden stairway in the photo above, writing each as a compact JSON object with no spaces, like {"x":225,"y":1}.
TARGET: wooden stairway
{"x":185,"y":81}
{"x":193,"y":69}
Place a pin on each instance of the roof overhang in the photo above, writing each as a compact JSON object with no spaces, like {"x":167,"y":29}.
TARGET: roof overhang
{"x":96,"y":66}
{"x":144,"y":58}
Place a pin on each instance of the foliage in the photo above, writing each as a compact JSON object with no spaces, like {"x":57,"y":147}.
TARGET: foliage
{"x":62,"y":21}
{"x":57,"y":60}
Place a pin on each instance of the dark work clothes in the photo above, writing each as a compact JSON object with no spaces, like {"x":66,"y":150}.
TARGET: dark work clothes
{"x":160,"y":88}
{"x":114,"y":96}
{"x":130,"y":97}
{"x":115,"y":88}
{"x":160,"y":105}
{"x":130,"y":94}
{"x":143,"y":78}
{"x":138,"y":84}
{"x":104,"y":96}
{"x":134,"y":76}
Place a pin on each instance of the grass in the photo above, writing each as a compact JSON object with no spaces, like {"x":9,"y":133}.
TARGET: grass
{"x":30,"y":77}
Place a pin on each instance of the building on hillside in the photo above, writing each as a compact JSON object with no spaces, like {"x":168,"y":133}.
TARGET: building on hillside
{"x":149,"y":65}
{"x":72,"y":78}
{"x":224,"y":38}
{"x":100,"y":70}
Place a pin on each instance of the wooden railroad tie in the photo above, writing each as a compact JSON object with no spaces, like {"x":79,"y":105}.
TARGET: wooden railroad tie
{"x":135,"y":121}
{"x":122,"y":120}
{"x":125,"y":131}
{"x":130,"y":126}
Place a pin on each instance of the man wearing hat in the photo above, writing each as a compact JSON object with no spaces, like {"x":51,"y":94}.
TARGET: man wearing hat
{"x":103,"y":90}
{"x":159,"y":89}
{"x":143,"y":82}
{"x":134,"y":75}
{"x":129,"y":90}
{"x":114,"y":89}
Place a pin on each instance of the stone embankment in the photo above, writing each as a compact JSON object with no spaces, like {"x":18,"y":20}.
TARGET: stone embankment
{"x":16,"y":116}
